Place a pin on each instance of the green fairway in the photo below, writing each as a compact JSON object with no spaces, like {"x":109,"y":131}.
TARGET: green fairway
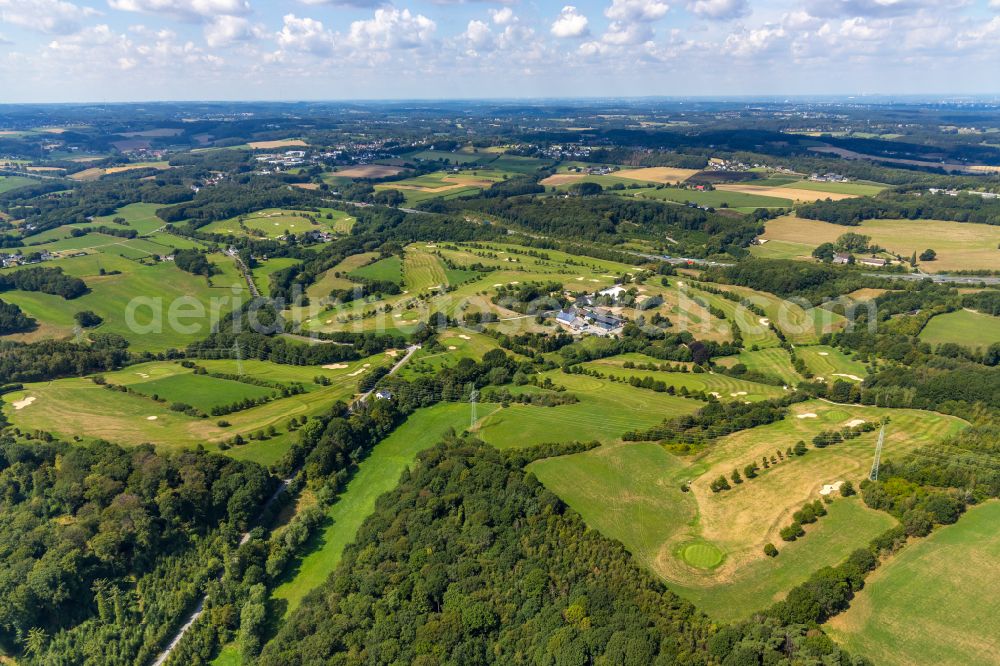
{"x":377,"y":474}
{"x":773,"y":361}
{"x":709,"y":546}
{"x":389,"y":269}
{"x":935,"y":602}
{"x":605,"y":412}
{"x":972,"y":329}
{"x":77,"y":407}
{"x":201,"y":390}
{"x":830,"y":363}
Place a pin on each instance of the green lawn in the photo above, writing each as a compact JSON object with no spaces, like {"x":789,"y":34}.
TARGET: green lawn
{"x":935,"y":602}
{"x":377,"y":474}
{"x":831,"y":363}
{"x":972,"y":329}
{"x":8,"y":183}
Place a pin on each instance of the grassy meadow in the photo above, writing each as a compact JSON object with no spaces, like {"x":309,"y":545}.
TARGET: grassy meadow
{"x":933,"y":602}
{"x":972,"y":329}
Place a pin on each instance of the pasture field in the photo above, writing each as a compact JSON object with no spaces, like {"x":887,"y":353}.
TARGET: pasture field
{"x":453,"y":157}
{"x":709,"y":546}
{"x":964,"y":327}
{"x":606,"y":411}
{"x":138,"y":216}
{"x":830,"y":363}
{"x":778,"y":249}
{"x":932,"y":603}
{"x":773,"y":361}
{"x":8,"y":183}
{"x":959,"y":245}
{"x":77,"y":407}
{"x":376,"y":475}
{"x":741,"y":201}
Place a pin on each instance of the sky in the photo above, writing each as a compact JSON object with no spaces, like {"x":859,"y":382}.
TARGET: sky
{"x":140,"y":50}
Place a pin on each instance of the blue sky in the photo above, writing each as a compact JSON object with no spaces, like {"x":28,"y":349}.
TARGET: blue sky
{"x":123,"y":50}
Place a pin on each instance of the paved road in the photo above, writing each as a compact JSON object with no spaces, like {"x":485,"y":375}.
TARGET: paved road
{"x":199,"y":609}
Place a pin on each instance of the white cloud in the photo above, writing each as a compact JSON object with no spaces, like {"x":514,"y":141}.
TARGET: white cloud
{"x":479,"y":36}
{"x":502,"y":16}
{"x":570,"y":23}
{"x":228,"y":30}
{"x":719,"y":10}
{"x":392,"y":29}
{"x":872,"y":8}
{"x":622,"y":33}
{"x":995,"y":4}
{"x":191,"y":10}
{"x":755,"y":42}
{"x":636,"y":10}
{"x":55,"y":17}
{"x":305,"y":35}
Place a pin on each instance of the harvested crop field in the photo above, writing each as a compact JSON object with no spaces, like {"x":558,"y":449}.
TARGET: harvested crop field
{"x":369,"y":171}
{"x":792,"y":193}
{"x":657,"y":174}
{"x":280,"y":143}
{"x":562,"y":179}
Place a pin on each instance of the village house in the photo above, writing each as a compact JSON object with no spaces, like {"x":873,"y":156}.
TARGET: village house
{"x":842,"y":258}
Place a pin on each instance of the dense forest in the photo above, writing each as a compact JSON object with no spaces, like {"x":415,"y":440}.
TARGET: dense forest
{"x":888,"y":206}
{"x":499,"y":571}
{"x":46,"y":280}
{"x":79,"y":524}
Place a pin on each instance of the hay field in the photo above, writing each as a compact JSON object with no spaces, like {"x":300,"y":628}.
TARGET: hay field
{"x":558,"y":179}
{"x":279,"y":143}
{"x":932,"y":603}
{"x":665,"y":175}
{"x":797,"y":194}
{"x":959,"y":245}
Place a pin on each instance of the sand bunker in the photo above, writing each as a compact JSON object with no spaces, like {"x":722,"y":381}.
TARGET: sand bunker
{"x":854,"y":423}
{"x":392,"y":353}
{"x":143,"y":375}
{"x":807,"y":415}
{"x":21,"y":404}
{"x":824,"y":353}
{"x":452,"y":347}
{"x":465,"y":337}
{"x":359,"y":370}
{"x":738,"y":393}
{"x":765,"y":321}
{"x":335,"y":366}
{"x":152,"y":418}
{"x":717,"y":395}
{"x":831,"y":487}
{"x":854,"y":377}
{"x":498,"y":284}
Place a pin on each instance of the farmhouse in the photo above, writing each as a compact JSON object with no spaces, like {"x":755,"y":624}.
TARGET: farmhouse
{"x":873,"y":261}
{"x":383,"y":394}
{"x":842,"y":258}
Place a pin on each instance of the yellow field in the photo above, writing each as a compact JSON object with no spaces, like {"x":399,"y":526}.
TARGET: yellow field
{"x":280,"y":143}
{"x":562,"y":179}
{"x":657,"y":174}
{"x":784,"y":192}
{"x":959,"y":245}
{"x":97,"y":172}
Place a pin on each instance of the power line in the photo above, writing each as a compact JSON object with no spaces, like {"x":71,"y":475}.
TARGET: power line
{"x":873,"y":475}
